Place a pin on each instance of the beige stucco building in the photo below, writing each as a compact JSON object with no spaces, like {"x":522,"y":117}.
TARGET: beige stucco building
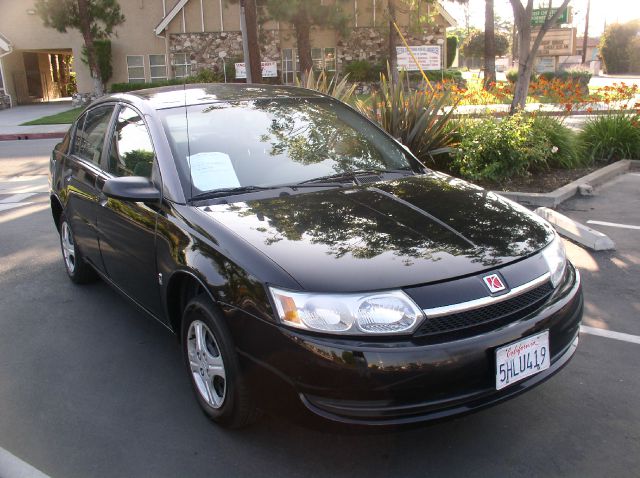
{"x":163,"y":39}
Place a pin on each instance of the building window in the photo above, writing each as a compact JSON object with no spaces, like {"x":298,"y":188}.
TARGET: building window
{"x":135,"y":68}
{"x":317,"y":58}
{"x":158,"y":67}
{"x":181,"y":65}
{"x":289,"y":65}
{"x":324,"y":59}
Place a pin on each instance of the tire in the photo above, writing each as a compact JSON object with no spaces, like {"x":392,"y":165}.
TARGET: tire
{"x":77,"y":268}
{"x":212,"y":363}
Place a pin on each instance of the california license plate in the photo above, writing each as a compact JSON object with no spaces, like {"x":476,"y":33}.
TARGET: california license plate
{"x":521,"y":359}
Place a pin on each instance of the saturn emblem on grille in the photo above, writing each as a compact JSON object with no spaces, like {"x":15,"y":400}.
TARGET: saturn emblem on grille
{"x":494,"y":283}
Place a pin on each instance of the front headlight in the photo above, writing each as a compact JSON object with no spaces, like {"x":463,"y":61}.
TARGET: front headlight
{"x":556,"y":259}
{"x":350,"y":314}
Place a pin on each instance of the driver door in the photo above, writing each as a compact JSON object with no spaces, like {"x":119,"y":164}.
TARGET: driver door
{"x":127,"y":229}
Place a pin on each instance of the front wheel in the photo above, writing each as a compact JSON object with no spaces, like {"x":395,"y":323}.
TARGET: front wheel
{"x":77,"y":269}
{"x":212,"y":363}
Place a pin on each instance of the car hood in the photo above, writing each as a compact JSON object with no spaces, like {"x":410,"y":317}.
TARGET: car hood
{"x":392,"y":234}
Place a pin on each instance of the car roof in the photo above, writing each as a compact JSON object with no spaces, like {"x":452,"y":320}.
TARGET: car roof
{"x":201,"y":93}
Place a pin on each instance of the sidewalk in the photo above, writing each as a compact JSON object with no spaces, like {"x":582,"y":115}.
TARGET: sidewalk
{"x":12,"y":118}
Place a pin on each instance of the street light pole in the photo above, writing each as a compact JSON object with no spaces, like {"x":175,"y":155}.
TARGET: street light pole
{"x":245,"y":41}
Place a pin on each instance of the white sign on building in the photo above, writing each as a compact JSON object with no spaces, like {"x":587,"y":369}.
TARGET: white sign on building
{"x":269,"y":70}
{"x":429,"y":57}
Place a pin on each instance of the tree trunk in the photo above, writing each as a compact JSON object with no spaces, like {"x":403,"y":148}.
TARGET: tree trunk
{"x":85,"y":29}
{"x":527,"y":51}
{"x":585,"y":39}
{"x":489,"y":45}
{"x":251,"y":19}
{"x":393,"y":54}
{"x":302,"y":25}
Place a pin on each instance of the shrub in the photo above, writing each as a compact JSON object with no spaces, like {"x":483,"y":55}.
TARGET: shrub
{"x":473,"y":44}
{"x":564,"y":151}
{"x":452,"y":46}
{"x":416,"y":117}
{"x":495,"y":150}
{"x":612,"y":137}
{"x":512,"y":75}
{"x":616,"y":46}
{"x":359,"y":70}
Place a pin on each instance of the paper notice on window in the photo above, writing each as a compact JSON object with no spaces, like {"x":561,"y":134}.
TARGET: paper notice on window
{"x":212,"y":170}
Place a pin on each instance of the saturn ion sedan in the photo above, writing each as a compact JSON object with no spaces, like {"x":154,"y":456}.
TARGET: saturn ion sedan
{"x":299,"y":252}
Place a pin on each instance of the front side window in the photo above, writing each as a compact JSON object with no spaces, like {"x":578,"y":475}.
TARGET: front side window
{"x":271,"y":142}
{"x":158,"y":67}
{"x":90,"y":132}
{"x":131,"y":152}
{"x":135,"y":68}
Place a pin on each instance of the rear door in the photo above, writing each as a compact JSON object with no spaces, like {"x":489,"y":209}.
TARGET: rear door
{"x":82,"y":167}
{"x":127,"y":229}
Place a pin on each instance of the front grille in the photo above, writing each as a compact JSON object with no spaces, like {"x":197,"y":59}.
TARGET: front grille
{"x":496,"y":314}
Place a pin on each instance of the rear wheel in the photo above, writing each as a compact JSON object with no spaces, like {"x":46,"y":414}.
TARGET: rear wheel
{"x":78,"y":270}
{"x":212,"y":363}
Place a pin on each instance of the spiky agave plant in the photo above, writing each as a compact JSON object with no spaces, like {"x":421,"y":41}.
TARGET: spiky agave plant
{"x":339,"y":89}
{"x":420,"y":119}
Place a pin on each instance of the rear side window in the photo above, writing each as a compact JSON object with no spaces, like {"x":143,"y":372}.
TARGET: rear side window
{"x":131,"y":152}
{"x":90,"y":133}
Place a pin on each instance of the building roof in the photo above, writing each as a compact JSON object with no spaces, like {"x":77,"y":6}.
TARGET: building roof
{"x":170,"y":16}
{"x":5,"y":44}
{"x":446,"y":15}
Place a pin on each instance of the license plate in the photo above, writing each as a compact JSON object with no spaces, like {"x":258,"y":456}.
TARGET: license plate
{"x":521,"y":359}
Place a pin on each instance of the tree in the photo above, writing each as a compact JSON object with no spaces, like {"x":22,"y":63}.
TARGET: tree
{"x":94,"y":19}
{"x":473,"y":45}
{"x":489,"y":45}
{"x":527,"y":50}
{"x":303,"y":14}
{"x":254,"y":62}
{"x":617,"y":46}
{"x":452,"y":47}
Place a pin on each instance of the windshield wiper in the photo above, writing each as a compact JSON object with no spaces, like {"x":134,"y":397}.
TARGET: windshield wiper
{"x":230,"y":192}
{"x":352,"y":175}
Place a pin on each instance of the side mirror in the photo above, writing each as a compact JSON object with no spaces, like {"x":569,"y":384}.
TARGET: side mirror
{"x":131,"y":188}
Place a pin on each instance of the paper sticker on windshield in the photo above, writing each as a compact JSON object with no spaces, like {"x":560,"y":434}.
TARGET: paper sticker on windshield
{"x":213,"y":170}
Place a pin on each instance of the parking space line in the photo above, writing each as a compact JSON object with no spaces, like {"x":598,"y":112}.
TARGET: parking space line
{"x":13,"y":467}
{"x":634,"y":339}
{"x":613,"y":224}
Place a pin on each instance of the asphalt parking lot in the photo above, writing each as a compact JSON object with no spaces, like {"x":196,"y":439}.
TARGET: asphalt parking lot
{"x":90,"y":387}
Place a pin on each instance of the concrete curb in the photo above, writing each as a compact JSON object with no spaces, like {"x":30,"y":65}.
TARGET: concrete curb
{"x":555,"y":198}
{"x":576,"y":231}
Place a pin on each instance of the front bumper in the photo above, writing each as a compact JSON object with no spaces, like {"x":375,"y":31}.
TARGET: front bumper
{"x":413,"y":380}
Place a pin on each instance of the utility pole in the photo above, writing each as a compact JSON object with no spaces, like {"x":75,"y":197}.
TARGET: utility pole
{"x":245,"y":41}
{"x":586,"y":34}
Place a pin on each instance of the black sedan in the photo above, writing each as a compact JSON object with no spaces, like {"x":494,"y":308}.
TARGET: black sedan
{"x":299,"y":252}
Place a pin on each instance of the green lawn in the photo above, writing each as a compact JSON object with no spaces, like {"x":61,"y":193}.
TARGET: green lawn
{"x":66,"y":117}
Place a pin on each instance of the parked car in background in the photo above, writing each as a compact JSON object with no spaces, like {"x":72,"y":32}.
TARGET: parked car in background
{"x":298,"y":251}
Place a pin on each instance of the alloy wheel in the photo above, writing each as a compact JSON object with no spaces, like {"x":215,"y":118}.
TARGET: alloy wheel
{"x":206,"y":364}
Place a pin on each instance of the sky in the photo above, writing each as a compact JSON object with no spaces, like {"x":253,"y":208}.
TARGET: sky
{"x":610,"y":11}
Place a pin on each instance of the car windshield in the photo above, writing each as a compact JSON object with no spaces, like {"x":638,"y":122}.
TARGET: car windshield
{"x":264,"y":143}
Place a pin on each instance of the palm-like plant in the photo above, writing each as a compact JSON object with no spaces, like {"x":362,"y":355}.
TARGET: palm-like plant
{"x":339,"y":89}
{"x":420,"y":119}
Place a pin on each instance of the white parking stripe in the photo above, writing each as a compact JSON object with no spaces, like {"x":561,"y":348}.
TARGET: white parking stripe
{"x":613,"y":224}
{"x":6,"y":207}
{"x":16,"y":198}
{"x":13,"y":467}
{"x":634,"y":339}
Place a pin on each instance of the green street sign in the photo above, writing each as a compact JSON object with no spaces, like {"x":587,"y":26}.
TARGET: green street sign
{"x":539,"y":15}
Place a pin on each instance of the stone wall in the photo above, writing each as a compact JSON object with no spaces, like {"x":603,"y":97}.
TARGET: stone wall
{"x":204,"y":48}
{"x":371,"y":43}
